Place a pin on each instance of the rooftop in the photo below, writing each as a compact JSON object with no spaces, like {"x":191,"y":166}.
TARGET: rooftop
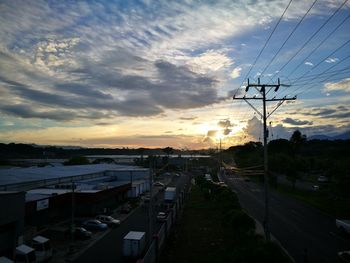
{"x":19,"y":175}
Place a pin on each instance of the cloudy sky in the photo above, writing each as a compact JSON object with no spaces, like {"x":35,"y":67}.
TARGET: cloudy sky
{"x":162,"y":73}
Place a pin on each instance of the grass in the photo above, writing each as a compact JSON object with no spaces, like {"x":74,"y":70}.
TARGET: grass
{"x":203,"y":235}
{"x":199,"y":236}
{"x":322,"y":199}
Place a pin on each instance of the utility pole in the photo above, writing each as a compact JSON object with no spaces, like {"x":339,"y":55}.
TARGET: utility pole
{"x":264,"y":116}
{"x":150,"y":204}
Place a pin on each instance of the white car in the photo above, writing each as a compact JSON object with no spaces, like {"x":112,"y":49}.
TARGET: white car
{"x":158,"y":184}
{"x":343,"y":225}
{"x":344,"y":256}
{"x":108,"y":220}
{"x":322,"y":179}
{"x":162,"y":216}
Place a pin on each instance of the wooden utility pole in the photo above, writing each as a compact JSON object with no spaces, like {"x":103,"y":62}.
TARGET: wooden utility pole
{"x":264,"y":116}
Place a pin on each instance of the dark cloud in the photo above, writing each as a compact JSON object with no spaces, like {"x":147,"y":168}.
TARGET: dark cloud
{"x":297,"y":122}
{"x":103,"y":123}
{"x":212,"y":133}
{"x":225,"y":124}
{"x":340,"y":112}
{"x":188,"y":118}
{"x":26,"y":111}
{"x":226,"y":131}
{"x":322,"y":112}
{"x":146,"y":88}
{"x":82,"y":90}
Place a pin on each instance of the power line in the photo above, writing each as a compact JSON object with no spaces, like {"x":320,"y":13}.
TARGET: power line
{"x":323,"y":73}
{"x":313,"y":75}
{"x":266,"y":42}
{"x":319,"y":63}
{"x":311,"y":81}
{"x":324,"y":80}
{"x":294,"y":29}
{"x":320,"y":44}
{"x":311,"y":37}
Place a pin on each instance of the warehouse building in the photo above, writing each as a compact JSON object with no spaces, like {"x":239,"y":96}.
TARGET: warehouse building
{"x":36,"y":196}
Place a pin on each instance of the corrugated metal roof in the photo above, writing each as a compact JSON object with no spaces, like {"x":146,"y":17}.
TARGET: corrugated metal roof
{"x":17,"y":175}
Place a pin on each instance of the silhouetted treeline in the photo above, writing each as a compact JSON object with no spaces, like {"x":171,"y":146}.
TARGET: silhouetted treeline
{"x":300,"y":158}
{"x":27,"y":151}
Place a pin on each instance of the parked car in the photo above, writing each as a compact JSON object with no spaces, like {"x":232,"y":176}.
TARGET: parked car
{"x":344,"y":256}
{"x":110,"y":221}
{"x":158,"y":184}
{"x":322,"y":179}
{"x":81,"y":233}
{"x":162,"y":216}
{"x":94,"y":224}
{"x":343,"y":225}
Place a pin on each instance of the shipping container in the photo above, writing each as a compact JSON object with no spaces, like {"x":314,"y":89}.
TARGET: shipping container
{"x":134,"y":244}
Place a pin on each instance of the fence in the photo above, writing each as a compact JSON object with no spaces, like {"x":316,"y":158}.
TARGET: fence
{"x":163,"y":233}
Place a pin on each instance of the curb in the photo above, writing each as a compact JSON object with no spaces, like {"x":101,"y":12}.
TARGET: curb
{"x":260,"y":230}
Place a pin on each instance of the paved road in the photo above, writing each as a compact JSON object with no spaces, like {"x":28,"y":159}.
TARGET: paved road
{"x":297,"y":226}
{"x":109,"y":248}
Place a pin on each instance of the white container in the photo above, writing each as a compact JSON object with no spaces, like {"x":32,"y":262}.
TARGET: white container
{"x":134,"y":244}
{"x":169,"y":194}
{"x":43,"y":249}
{"x":5,"y":260}
{"x":25,"y":254}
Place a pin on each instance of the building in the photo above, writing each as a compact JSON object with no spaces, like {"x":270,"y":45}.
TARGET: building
{"x":37,"y":196}
{"x":11,"y":221}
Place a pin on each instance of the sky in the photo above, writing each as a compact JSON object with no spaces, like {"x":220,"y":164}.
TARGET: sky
{"x":163,"y":73}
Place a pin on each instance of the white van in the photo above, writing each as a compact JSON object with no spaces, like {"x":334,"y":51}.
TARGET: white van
{"x":43,"y":249}
{"x":25,"y":254}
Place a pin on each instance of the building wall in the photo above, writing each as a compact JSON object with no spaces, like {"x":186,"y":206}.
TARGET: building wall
{"x":86,"y":203}
{"x":11,"y":221}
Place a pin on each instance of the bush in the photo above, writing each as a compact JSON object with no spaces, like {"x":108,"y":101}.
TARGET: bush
{"x":79,"y":160}
{"x":239,"y":222}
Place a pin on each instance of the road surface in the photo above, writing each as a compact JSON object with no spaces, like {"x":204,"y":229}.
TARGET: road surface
{"x":109,"y":248}
{"x":297,"y":226}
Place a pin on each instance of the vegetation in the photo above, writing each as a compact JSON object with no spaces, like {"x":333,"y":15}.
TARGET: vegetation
{"x":79,"y":160}
{"x":214,"y":228}
{"x":301,"y":160}
{"x":32,"y":151}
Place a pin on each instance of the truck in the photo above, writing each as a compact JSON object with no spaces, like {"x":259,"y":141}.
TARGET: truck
{"x":343,"y":225}
{"x":43,"y":249}
{"x":25,"y":254}
{"x":169,"y":194}
{"x":134,"y":244}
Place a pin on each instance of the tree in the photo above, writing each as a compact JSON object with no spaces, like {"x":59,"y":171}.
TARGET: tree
{"x":297,"y":139}
{"x":78,"y":160}
{"x":168,"y":150}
